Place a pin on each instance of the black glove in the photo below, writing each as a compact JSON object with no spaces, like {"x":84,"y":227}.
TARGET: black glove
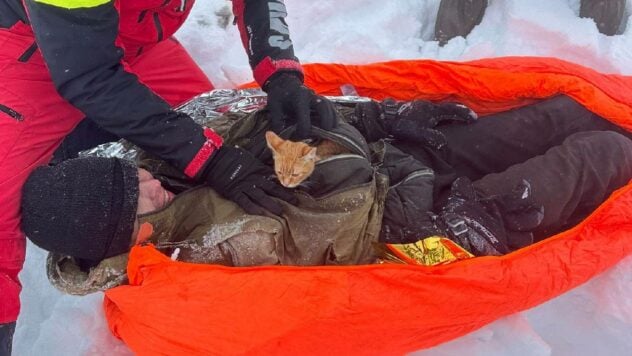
{"x":410,"y":121}
{"x":464,"y":219}
{"x":6,"y":338}
{"x":475,"y":224}
{"x":521,"y":214}
{"x":484,"y":226}
{"x":368,"y":118}
{"x":237,"y":175}
{"x":416,"y":120}
{"x":290,"y":102}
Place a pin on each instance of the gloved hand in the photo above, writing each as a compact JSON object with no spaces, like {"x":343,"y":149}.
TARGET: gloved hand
{"x":290,"y":102}
{"x":368,"y":118}
{"x":475,"y":224}
{"x":521,"y":214}
{"x":484,"y":226}
{"x":464,"y":219}
{"x":416,"y":120}
{"x":239,"y":176}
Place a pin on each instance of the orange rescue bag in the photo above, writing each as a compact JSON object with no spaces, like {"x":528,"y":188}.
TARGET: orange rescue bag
{"x":175,"y":308}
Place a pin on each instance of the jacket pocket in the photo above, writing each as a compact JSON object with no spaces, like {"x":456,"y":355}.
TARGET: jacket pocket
{"x":338,"y":173}
{"x":15,"y":114}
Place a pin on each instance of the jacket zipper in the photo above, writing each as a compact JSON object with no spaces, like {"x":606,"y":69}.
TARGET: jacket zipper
{"x":158,"y":26}
{"x":350,"y":142}
{"x":141,"y":17}
{"x":14,"y":114}
{"x":28,"y":53}
{"x":338,"y":157}
{"x":426,"y":172}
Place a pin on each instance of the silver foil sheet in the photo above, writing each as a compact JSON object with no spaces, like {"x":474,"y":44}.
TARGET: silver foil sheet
{"x":208,"y":106}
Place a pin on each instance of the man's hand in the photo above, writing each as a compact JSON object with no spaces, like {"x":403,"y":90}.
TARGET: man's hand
{"x":416,"y":120}
{"x":291,"y":102}
{"x":412,"y":120}
{"x":473,"y":223}
{"x":237,"y":175}
{"x":429,"y":114}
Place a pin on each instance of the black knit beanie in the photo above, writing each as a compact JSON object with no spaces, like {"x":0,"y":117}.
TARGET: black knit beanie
{"x":84,"y":207}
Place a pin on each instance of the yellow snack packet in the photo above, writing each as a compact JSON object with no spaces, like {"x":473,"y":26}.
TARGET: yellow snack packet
{"x":431,"y":251}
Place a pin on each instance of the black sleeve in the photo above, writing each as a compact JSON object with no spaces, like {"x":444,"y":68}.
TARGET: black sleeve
{"x":78,"y":46}
{"x":266,"y":37}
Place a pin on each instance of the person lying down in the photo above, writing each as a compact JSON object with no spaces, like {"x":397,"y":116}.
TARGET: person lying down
{"x":391,"y":174}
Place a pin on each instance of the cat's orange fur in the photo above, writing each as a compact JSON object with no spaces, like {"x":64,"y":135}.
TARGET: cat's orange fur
{"x":294,"y":162}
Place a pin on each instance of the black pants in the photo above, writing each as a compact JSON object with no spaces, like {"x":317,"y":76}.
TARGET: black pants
{"x":572,"y":158}
{"x":6,"y":338}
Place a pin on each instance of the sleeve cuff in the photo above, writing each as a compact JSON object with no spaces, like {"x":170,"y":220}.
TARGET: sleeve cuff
{"x":212,"y":144}
{"x":264,"y":70}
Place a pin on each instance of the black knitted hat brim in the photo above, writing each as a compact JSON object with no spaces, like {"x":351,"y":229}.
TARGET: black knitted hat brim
{"x":84,"y":208}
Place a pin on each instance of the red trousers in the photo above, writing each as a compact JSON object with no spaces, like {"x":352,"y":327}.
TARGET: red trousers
{"x":34,"y":119}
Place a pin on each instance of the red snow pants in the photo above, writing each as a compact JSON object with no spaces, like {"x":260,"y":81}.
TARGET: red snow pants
{"x":34,"y":119}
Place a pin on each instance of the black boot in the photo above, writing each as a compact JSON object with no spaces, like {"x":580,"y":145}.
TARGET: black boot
{"x":607,"y":14}
{"x":458,"y":18}
{"x":6,"y":338}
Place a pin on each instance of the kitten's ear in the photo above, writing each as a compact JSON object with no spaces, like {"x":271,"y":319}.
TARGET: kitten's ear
{"x":310,"y":155}
{"x":273,"y":141}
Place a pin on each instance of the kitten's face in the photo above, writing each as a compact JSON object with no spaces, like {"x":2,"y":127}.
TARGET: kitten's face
{"x":294,"y":162}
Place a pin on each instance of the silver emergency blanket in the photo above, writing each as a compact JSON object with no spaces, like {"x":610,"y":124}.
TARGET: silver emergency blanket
{"x":209,"y":106}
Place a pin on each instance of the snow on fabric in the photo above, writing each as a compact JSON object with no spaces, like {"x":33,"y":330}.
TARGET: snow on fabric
{"x":595,"y":318}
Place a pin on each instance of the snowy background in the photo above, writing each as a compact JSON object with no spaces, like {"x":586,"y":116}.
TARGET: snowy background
{"x":594,"y":319}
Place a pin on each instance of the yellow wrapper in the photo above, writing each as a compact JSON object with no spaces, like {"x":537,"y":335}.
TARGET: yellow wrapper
{"x":431,"y":251}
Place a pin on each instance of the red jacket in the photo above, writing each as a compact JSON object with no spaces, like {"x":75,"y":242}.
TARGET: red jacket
{"x":86,"y":50}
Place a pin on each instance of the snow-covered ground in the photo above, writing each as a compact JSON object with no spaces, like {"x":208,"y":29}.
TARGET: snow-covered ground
{"x":594,"y":319}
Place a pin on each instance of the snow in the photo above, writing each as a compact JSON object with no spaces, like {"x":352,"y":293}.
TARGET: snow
{"x":593,"y":319}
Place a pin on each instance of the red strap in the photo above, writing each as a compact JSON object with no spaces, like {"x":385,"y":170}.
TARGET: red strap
{"x":213,"y":142}
{"x":267,"y":67}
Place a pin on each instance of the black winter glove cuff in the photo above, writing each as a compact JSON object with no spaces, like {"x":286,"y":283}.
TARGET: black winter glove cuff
{"x":239,"y":176}
{"x":283,"y":75}
{"x":368,"y":118}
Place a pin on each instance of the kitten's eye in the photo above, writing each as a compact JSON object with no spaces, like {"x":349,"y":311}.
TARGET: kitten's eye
{"x":295,"y":175}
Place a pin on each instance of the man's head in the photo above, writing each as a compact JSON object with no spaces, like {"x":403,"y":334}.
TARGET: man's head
{"x":87,"y":207}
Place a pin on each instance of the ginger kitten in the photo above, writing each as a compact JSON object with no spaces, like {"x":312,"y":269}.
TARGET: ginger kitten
{"x":294,"y":162}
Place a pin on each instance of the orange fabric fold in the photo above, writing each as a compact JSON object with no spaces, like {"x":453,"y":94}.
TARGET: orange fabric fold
{"x":176,"y":308}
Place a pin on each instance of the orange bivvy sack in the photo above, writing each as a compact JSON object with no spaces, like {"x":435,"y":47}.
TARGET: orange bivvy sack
{"x":175,"y":308}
